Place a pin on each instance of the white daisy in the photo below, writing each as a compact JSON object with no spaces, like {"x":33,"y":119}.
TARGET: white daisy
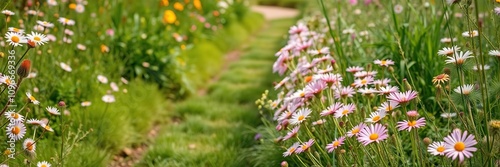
{"x":114,"y":86}
{"x":32,"y":98}
{"x":14,"y":117}
{"x":43,"y":164}
{"x":448,"y":51}
{"x":109,"y":98}
{"x":39,"y":39}
{"x":376,"y":116}
{"x":15,"y":39}
{"x":65,"y":67}
{"x":494,"y":53}
{"x":53,"y":110}
{"x":459,"y":58}
{"x":86,"y":103}
{"x":16,"y":30}
{"x":300,"y":116}
{"x":8,"y":12}
{"x":464,"y":89}
{"x":29,"y":145}
{"x":66,"y":21}
{"x":102,"y":79}
{"x":471,"y":34}
{"x":45,"y":24}
{"x":16,"y":131}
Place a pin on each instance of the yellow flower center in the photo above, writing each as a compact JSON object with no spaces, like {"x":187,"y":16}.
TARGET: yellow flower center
{"x":363,"y":81}
{"x":460,"y":146}
{"x":29,"y":146}
{"x":376,"y":118}
{"x":7,"y":81}
{"x":301,"y":118}
{"x":336,"y":143}
{"x":388,"y":108}
{"x":292,"y":150}
{"x":374,"y":136}
{"x":47,"y":127}
{"x":15,"y":29}
{"x":355,"y":131}
{"x":72,"y":6}
{"x":43,"y":165}
{"x":302,"y":94}
{"x":345,"y":112}
{"x":37,"y":39}
{"x":14,"y":115}
{"x":383,"y":62}
{"x":440,"y":149}
{"x":66,"y":20}
{"x":6,"y":152}
{"x":412,"y":123}
{"x":15,"y":39}
{"x":32,"y":98}
{"x":16,"y":130}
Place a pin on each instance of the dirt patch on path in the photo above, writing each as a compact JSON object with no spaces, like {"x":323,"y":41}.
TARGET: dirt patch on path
{"x":274,"y":13}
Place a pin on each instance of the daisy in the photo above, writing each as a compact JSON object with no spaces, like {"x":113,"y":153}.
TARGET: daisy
{"x":344,"y":92}
{"x":448,"y":115}
{"x":409,"y":124}
{"x":331,"y":109}
{"x":7,"y":80}
{"x":292,"y":133}
{"x":15,"y":39}
{"x":124,"y":81}
{"x":46,"y":127}
{"x":494,"y":53}
{"x":45,"y":24}
{"x":16,"y":131}
{"x":372,"y":133}
{"x":384,"y":63}
{"x":382,"y":82}
{"x":335,"y":144}
{"x":388,"y":106}
{"x":367,"y":91}
{"x":66,"y":21}
{"x":480,"y":67}
{"x":32,"y":98}
{"x":65,"y":67}
{"x":298,"y":29}
{"x":448,"y":51}
{"x":109,"y":98}
{"x":39,"y":39}
{"x":81,"y":47}
{"x":398,"y":9}
{"x":300,"y":116}
{"x":305,"y":146}
{"x":363,"y":82}
{"x":376,"y":116}
{"x":459,"y":58}
{"x":34,"y":121}
{"x":329,"y":78}
{"x":102,"y":79}
{"x":497,"y":10}
{"x":86,"y":103}
{"x":436,"y":148}
{"x":79,"y":8}
{"x":460,"y":145}
{"x":16,"y":30}
{"x":114,"y":86}
{"x":386,"y":90}
{"x":29,"y":145}
{"x":448,"y":40}
{"x":52,"y":2}
{"x":355,"y":130}
{"x":354,"y":69}
{"x":324,"y":51}
{"x":440,"y":79}
{"x":291,"y":149}
{"x":43,"y":163}
{"x":69,"y":32}
{"x":345,"y":110}
{"x":8,"y":13}
{"x":14,"y":117}
{"x":402,"y":97}
{"x":53,"y":110}
{"x":471,"y":34}
{"x":38,"y":28}
{"x":464,"y":89}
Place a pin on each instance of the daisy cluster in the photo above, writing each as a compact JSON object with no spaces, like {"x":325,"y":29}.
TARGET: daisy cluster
{"x":327,"y":109}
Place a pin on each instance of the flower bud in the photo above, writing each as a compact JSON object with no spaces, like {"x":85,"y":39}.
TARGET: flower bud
{"x":61,"y":104}
{"x":427,"y":141}
{"x":24,"y":70}
{"x":284,"y":164}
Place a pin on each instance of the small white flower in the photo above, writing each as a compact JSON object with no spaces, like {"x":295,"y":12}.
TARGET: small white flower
{"x":114,"y":86}
{"x":471,"y":34}
{"x":53,"y":110}
{"x":65,"y":67}
{"x":109,"y":98}
{"x":464,"y":89}
{"x":102,"y":79}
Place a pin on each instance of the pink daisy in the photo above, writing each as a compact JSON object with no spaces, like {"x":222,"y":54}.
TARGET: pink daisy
{"x":335,"y":144}
{"x":344,"y":92}
{"x":300,"y":116}
{"x":331,"y":109}
{"x":436,"y":148}
{"x":372,"y":133}
{"x":354,"y":69}
{"x":402,"y":98}
{"x":408,"y":125}
{"x":291,"y":149}
{"x":363,"y":82}
{"x":460,"y":145}
{"x":292,"y":133}
{"x":355,"y":130}
{"x":305,"y":146}
{"x":376,"y":116}
{"x":345,"y":110}
{"x":384,"y":63}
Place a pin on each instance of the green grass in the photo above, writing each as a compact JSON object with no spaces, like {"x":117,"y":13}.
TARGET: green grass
{"x":215,"y":130}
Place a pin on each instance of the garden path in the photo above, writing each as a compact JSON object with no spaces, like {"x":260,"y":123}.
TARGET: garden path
{"x":213,"y":127}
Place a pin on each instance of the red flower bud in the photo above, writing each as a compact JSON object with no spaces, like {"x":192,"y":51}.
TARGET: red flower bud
{"x":24,"y":69}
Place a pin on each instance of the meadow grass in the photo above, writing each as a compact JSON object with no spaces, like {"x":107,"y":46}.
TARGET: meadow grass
{"x":216,"y":129}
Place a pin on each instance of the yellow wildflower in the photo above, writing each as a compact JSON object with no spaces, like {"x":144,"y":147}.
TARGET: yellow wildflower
{"x":169,"y":17}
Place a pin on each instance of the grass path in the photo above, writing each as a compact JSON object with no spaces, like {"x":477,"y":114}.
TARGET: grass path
{"x":215,"y":129}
